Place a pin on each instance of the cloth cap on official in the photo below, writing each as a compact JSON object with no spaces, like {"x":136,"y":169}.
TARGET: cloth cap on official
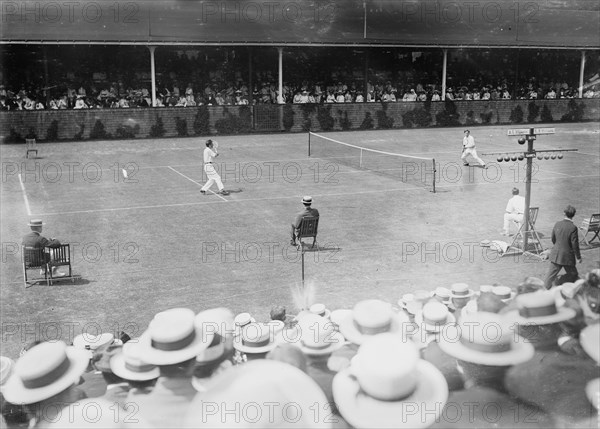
{"x":307,"y":200}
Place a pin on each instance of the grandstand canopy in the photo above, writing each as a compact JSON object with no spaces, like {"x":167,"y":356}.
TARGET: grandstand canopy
{"x":419,"y":23}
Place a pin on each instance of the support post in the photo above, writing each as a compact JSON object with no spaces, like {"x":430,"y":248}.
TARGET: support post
{"x":280,"y":72}
{"x":444,"y":69}
{"x":152,"y":75}
{"x":527,"y":191}
{"x":581,"y":73}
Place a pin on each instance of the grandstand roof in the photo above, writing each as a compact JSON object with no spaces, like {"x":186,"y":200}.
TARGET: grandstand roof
{"x":419,"y":23}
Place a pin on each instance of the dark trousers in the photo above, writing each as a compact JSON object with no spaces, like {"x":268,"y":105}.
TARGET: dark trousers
{"x":570,"y":276}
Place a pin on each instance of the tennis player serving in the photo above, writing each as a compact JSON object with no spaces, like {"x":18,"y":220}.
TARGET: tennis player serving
{"x":210,"y":153}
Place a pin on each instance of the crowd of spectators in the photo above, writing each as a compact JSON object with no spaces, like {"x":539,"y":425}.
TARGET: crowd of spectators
{"x":102,"y":79}
{"x":454,"y":357}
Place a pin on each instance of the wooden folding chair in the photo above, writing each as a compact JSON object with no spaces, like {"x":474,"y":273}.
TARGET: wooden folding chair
{"x":31,"y":147}
{"x":60,"y":257}
{"x":34,"y":259}
{"x":591,"y":224}
{"x":308,"y":228}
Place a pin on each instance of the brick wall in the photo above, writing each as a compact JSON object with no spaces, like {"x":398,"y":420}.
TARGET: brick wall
{"x":143,"y":123}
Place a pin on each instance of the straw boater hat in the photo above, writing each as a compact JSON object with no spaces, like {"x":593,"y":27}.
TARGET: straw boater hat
{"x":253,"y":384}
{"x":173,"y":337}
{"x":307,"y":200}
{"x":320,"y":310}
{"x":433,"y":317}
{"x":6,"y":369}
{"x":255,"y":338}
{"x":461,"y":290}
{"x":539,"y":308}
{"x":129,"y":364}
{"x":504,"y":293}
{"x":318,"y":336}
{"x":44,"y":371}
{"x":443,"y":293}
{"x":340,"y":314}
{"x":35,"y":222}
{"x":368,"y":318}
{"x":486,"y":289}
{"x":377,"y":388}
{"x":486,"y":339}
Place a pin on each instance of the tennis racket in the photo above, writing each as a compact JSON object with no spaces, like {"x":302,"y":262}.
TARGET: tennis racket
{"x":215,"y":145}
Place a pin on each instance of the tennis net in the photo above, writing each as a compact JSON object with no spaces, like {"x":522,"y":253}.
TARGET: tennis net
{"x":409,"y":169}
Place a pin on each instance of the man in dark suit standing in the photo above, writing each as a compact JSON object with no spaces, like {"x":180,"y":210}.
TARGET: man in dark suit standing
{"x":35,"y":240}
{"x":565,"y":250}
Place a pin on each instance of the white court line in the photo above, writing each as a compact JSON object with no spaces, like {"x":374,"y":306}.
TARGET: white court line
{"x":199,"y":184}
{"x":25,"y":196}
{"x":295,"y":196}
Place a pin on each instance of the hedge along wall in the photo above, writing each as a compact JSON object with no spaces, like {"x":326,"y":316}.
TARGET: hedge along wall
{"x":56,"y":125}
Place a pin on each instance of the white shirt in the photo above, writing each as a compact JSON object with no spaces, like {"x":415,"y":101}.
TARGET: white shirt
{"x":516,"y":205}
{"x":209,"y":155}
{"x":468,"y":141}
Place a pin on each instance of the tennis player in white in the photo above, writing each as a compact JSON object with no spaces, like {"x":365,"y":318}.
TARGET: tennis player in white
{"x":469,"y":149}
{"x":209,"y":169}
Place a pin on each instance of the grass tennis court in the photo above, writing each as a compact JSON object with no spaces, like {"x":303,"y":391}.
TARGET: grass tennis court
{"x":154,"y":241}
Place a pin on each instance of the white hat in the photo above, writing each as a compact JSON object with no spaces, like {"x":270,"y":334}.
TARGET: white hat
{"x":378,"y":386}
{"x":504,"y":293}
{"x":340,"y":314}
{"x":486,"y":339}
{"x":461,"y":290}
{"x":249,"y":387}
{"x":255,"y":338}
{"x":173,"y":337}
{"x":539,"y":308}
{"x":443,"y":293}
{"x":129,"y":364}
{"x":368,"y":318}
{"x":433,"y":317}
{"x":320,"y":310}
{"x":44,"y":371}
{"x":318,"y":335}
{"x":592,"y":391}
{"x":243,"y":319}
{"x":6,"y":368}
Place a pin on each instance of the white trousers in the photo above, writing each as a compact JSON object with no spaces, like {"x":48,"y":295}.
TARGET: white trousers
{"x":515,"y":217}
{"x":213,"y":177}
{"x":473,"y":152}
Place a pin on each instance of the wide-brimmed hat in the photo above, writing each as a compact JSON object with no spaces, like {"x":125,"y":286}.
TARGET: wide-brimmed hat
{"x":443,"y":293}
{"x":255,"y":338}
{"x":318,"y":335}
{"x":220,"y":321}
{"x":44,"y":371}
{"x":129,"y":364}
{"x":486,"y":339}
{"x":378,"y":386}
{"x":173,"y":337}
{"x":504,"y":293}
{"x":433,"y":317}
{"x":253,"y":384}
{"x":340,"y":314}
{"x":590,"y":341}
{"x":320,"y":310}
{"x":6,"y":369}
{"x":461,"y":290}
{"x":35,"y":222}
{"x":539,"y":308}
{"x":243,"y":319}
{"x":368,"y":318}
{"x":486,"y":289}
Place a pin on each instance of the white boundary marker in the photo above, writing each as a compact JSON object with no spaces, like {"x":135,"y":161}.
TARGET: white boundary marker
{"x":25,"y":196}
{"x":192,"y":180}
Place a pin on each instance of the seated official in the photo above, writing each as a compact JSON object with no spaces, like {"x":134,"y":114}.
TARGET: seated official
{"x":307,"y":212}
{"x":35,"y":240}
